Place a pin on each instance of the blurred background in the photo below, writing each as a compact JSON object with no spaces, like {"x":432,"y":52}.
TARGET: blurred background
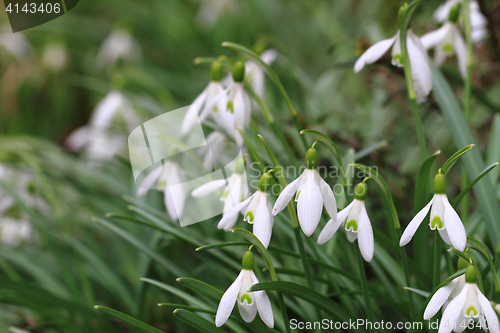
{"x":60,"y":255}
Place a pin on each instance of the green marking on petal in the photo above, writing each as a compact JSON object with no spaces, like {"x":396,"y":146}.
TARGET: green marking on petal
{"x":224,"y":195}
{"x":352,"y":225}
{"x":249,"y":217}
{"x":215,"y":109}
{"x":448,"y":48}
{"x":230,"y":106}
{"x":246,"y":297}
{"x":472,"y":310}
{"x":297,"y":195}
{"x":436,"y":222}
{"x":397,"y":60}
{"x":162,"y":183}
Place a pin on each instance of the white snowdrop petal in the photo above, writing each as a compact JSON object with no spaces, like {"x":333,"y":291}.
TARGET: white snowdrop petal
{"x":414,"y":224}
{"x":148,"y":181}
{"x":454,"y":226}
{"x":229,"y":216}
{"x":286,"y":195}
{"x":248,"y":311}
{"x":438,"y":299}
{"x":263,"y":223}
{"x":365,"y":235}
{"x":309,"y":206}
{"x":444,"y":236}
{"x":420,"y":69}
{"x":489,"y":312}
{"x":374,"y":53}
{"x":208,"y":188}
{"x":269,"y":56}
{"x":461,"y":52}
{"x":351,"y":236}
{"x":329,"y":230}
{"x":227,"y":302}
{"x":263,"y":305}
{"x":328,"y":199}
{"x":433,"y":38}
{"x":452,"y":311}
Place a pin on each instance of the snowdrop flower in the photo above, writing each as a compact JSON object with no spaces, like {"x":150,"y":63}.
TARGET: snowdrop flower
{"x":165,"y":176}
{"x":119,"y":45}
{"x":420,"y":69}
{"x":448,"y":40}
{"x":249,"y":302}
{"x":468,"y":304}
{"x":477,"y":20}
{"x":356,"y":222}
{"x":234,"y":193}
{"x":239,"y":107}
{"x":55,"y":57}
{"x":213,"y":149}
{"x":256,"y":210}
{"x":312,"y":193}
{"x":210,"y":102}
{"x":256,"y":75}
{"x":13,"y":231}
{"x":97,"y":138}
{"x":211,"y":9}
{"x":15,"y":43}
{"x":443,"y":217}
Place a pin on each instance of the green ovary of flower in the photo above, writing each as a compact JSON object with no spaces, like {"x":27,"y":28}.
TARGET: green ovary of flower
{"x":471,"y":309}
{"x":352,"y":225}
{"x":437,"y":222}
{"x":249,"y":217}
{"x":247,"y":298}
{"x":448,"y":48}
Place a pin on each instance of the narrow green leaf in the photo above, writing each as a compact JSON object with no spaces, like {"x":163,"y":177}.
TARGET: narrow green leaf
{"x":324,"y":303}
{"x":419,"y":292}
{"x":197,"y":322}
{"x":126,"y":318}
{"x":462,"y":194}
{"x":454,"y":158}
{"x":187,"y":307}
{"x":459,"y":128}
{"x":220,"y":245}
{"x":481,"y":248}
{"x":202,"y":288}
{"x":383,"y":185}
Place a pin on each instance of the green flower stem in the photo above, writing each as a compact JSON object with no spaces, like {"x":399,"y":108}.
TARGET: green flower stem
{"x":468,"y":39}
{"x":407,"y":273}
{"x":254,"y":56}
{"x":364,"y":284}
{"x":436,"y":271}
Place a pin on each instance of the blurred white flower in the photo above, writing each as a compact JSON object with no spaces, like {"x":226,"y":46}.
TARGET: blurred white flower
{"x":312,"y":194}
{"x":165,"y":177}
{"x":210,"y":10}
{"x":13,"y":231}
{"x":238,"y":111}
{"x":249,"y":302}
{"x":447,"y":41}
{"x":235,"y":191}
{"x":357,"y":224}
{"x":420,"y":69}
{"x":477,"y":20}
{"x":119,"y":45}
{"x":213,"y":149}
{"x":100,"y":139}
{"x":55,"y":56}
{"x":15,"y":43}
{"x":256,"y":75}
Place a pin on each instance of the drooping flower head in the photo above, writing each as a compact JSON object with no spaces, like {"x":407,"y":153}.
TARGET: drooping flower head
{"x":256,"y":210}
{"x":209,"y":103}
{"x":420,"y":69}
{"x":462,"y":301}
{"x":249,"y":302}
{"x":443,"y":218}
{"x":234,"y":193}
{"x":357,"y":225}
{"x":448,"y":40}
{"x":312,"y":193}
